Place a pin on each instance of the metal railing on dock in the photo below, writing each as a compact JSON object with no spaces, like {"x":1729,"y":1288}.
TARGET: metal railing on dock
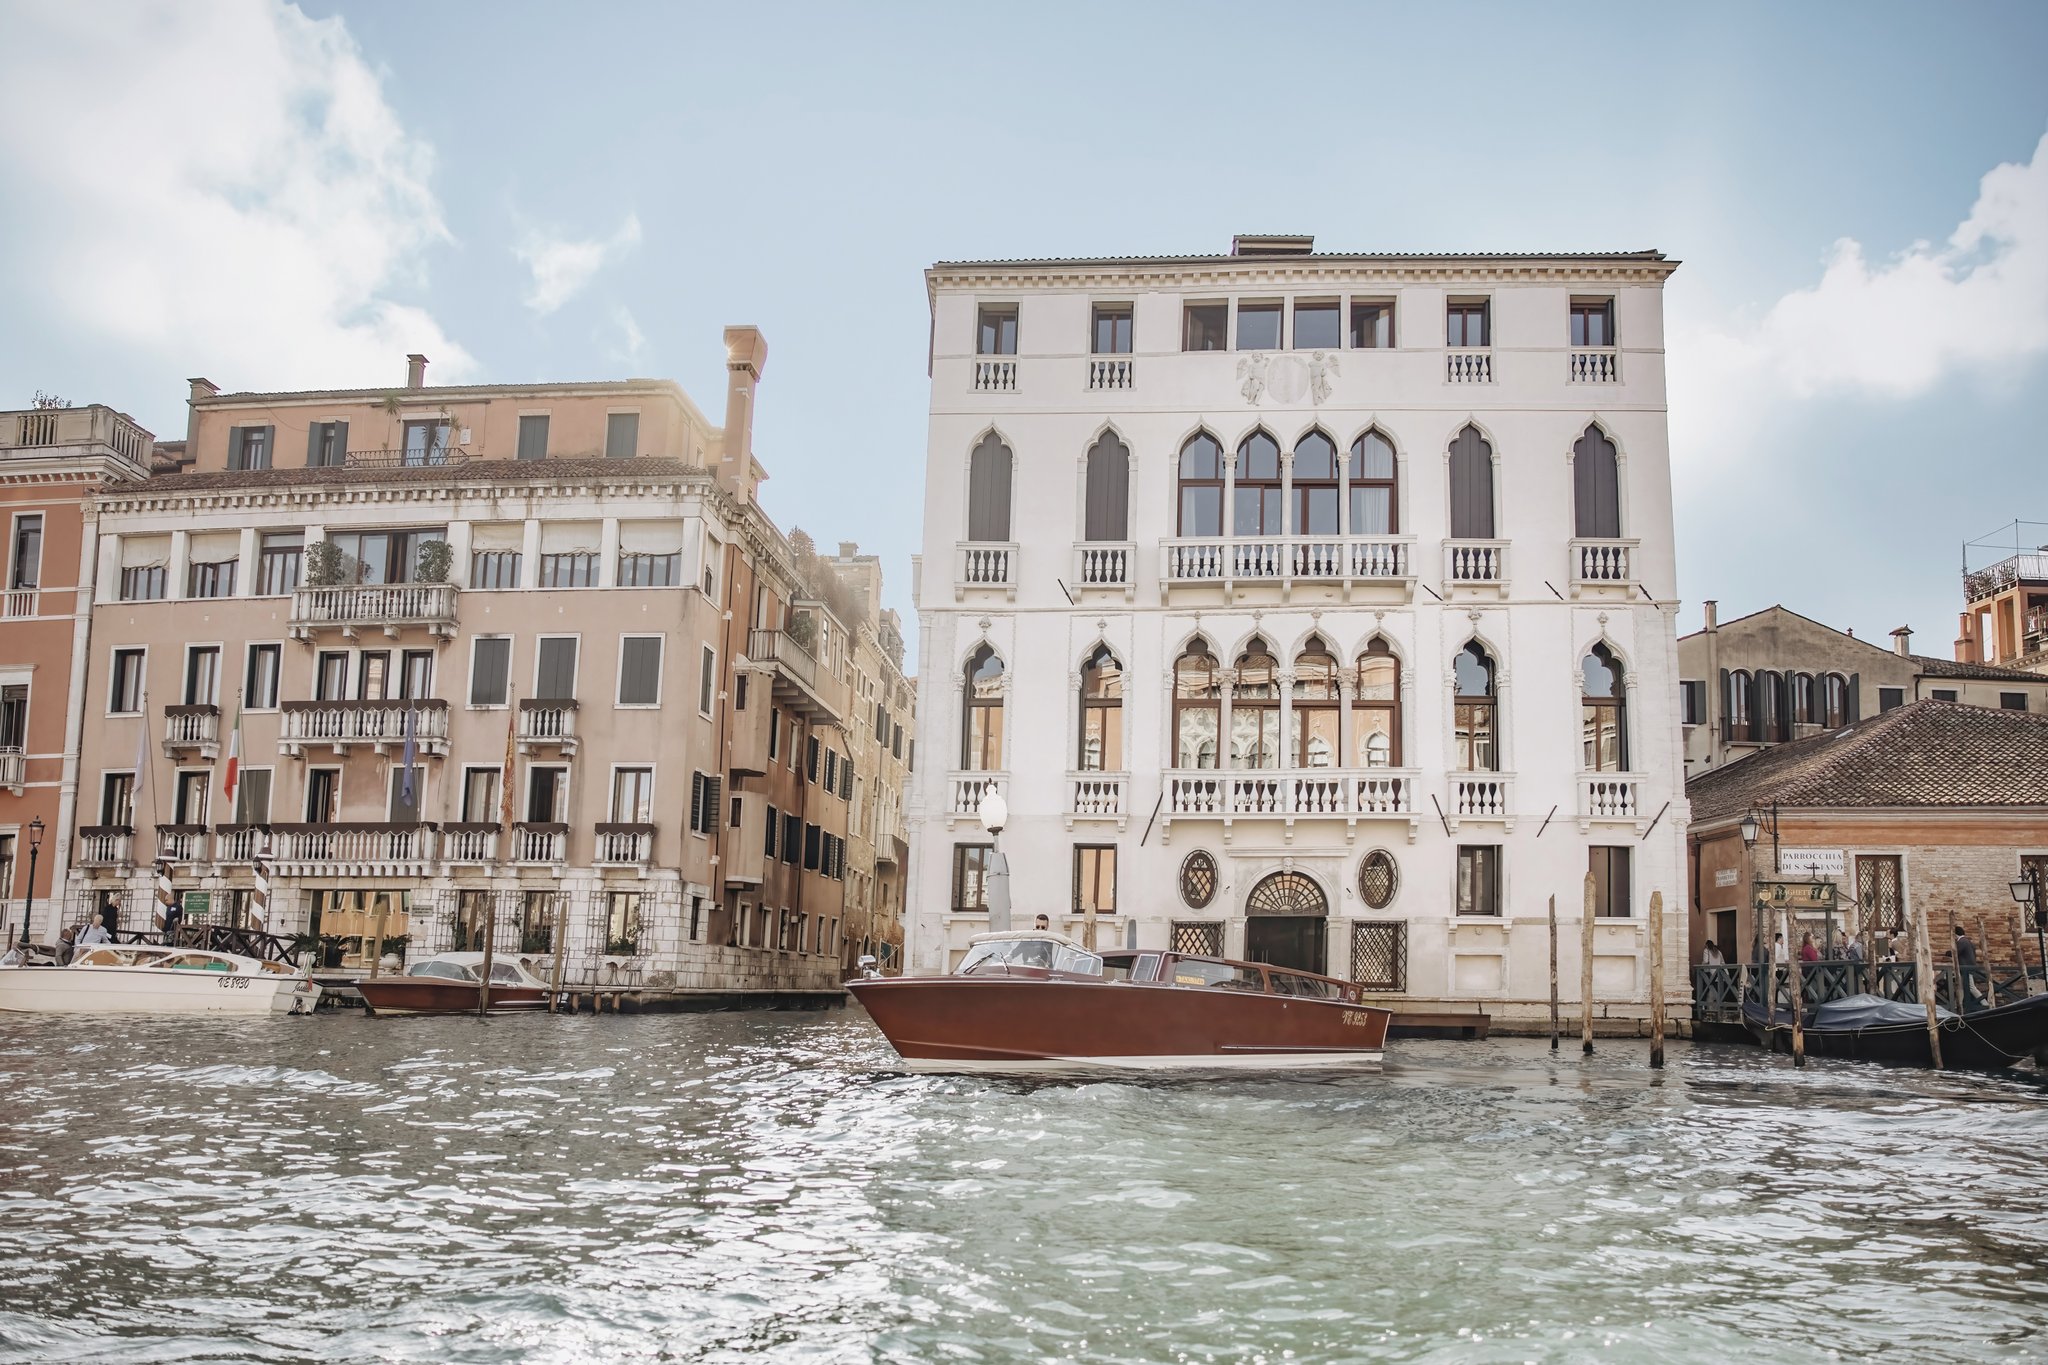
{"x":1719,"y":990}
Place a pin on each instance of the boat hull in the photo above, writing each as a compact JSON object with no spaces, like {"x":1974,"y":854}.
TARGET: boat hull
{"x":996,"y":1024}
{"x":150,"y":990}
{"x":1988,"y":1040}
{"x":432,"y":995}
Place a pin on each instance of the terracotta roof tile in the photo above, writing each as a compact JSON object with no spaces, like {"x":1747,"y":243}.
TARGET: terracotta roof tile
{"x":1951,"y":668}
{"x":1929,"y":753}
{"x":470,"y":472}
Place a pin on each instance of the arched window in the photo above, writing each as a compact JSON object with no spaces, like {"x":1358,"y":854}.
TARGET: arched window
{"x":1257,"y":507}
{"x":1596,"y":487}
{"x":1315,"y":486}
{"x":1107,"y":513}
{"x":1803,"y":712}
{"x":1834,"y":700}
{"x":1375,"y":508}
{"x":1197,"y":706}
{"x":1475,"y":723}
{"x":981,"y":724}
{"x":1603,"y":718}
{"x":1471,"y":486}
{"x":988,"y":491}
{"x":1255,"y":708}
{"x":1102,"y":713}
{"x":1201,"y":486}
{"x":1736,"y":711}
{"x":1315,"y":707}
{"x":1376,"y":708}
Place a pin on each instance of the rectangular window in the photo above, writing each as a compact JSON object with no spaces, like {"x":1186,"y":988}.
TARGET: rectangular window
{"x":1890,"y":698}
{"x":650,"y":570}
{"x":480,"y":796}
{"x":1611,"y":892}
{"x":622,"y":923}
{"x":25,"y":556}
{"x":13,"y":724}
{"x":572,"y":569}
{"x":215,"y":579}
{"x":1372,"y":326}
{"x":1692,"y":703}
{"x":1318,"y":326}
{"x":792,"y":838}
{"x":533,"y":437}
{"x":278,"y":560}
{"x":621,"y":435}
{"x":416,"y":674}
{"x":971,"y":864}
{"x":547,"y":795}
{"x":1943,"y":694}
{"x":831,"y":770}
{"x":1258,"y":326}
{"x":406,"y":796}
{"x":326,"y":445}
{"x":640,"y":670}
{"x":554,"y":675}
{"x":812,"y":750}
{"x":1095,"y":879}
{"x":330,"y":675}
{"x":252,"y":797}
{"x":1112,"y":329}
{"x":811,"y":833}
{"x":632,"y":796}
{"x":1479,"y":879}
{"x":1205,"y":327}
{"x":2012,"y":701}
{"x":490,"y":670}
{"x":188,"y":796}
{"x":996,"y":332}
{"x":249,"y":447}
{"x":426,"y":443}
{"x":1592,"y":322}
{"x":373,"y":675}
{"x":494,"y":570}
{"x":1881,"y":892}
{"x":383,"y":556}
{"x":117,"y":798}
{"x":202,"y":676}
{"x":125,"y":697}
{"x":145,"y":584}
{"x":323,"y":795}
{"x":707,"y":679}
{"x":1466,"y":323}
{"x":774,"y":733}
{"x":768,"y":835}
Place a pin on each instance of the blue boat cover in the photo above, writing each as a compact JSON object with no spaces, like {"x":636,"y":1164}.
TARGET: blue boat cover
{"x":1870,"y":1011}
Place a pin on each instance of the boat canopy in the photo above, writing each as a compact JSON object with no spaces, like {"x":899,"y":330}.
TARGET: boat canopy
{"x":466,"y":967}
{"x":997,"y":953}
{"x":1870,"y":1011}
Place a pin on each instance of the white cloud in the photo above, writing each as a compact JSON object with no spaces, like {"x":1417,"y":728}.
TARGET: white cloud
{"x":1976,"y":304}
{"x":632,"y":341}
{"x":562,"y":267}
{"x":222,"y":187}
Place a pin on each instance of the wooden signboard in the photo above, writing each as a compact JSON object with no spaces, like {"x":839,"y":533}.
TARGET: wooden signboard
{"x":1800,"y":897}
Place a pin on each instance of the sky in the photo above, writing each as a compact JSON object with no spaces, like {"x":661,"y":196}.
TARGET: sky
{"x":279,"y":196}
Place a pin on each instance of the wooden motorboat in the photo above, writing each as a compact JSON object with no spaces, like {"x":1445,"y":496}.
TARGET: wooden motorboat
{"x":1039,"y":1002}
{"x":1873,"y":1029}
{"x":144,"y":978}
{"x":447,"y":983}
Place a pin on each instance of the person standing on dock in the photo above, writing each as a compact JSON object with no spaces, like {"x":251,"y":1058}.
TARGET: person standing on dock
{"x":1807,"y":952}
{"x":1710,"y":956}
{"x":1966,"y":968}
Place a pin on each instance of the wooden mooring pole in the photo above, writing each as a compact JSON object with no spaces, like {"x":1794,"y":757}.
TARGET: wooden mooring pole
{"x":483,"y":978}
{"x":2019,"y":950}
{"x":1984,"y":956}
{"x":1795,"y":985}
{"x":561,"y":944}
{"x":1586,"y":971}
{"x":1553,"y":973}
{"x":1923,"y":973}
{"x":377,"y":942}
{"x":1657,"y":980}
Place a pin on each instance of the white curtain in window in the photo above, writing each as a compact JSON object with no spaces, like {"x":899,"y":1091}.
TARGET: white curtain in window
{"x":211,"y":547}
{"x":493,"y":536}
{"x":650,"y":537}
{"x":145,"y":552}
{"x":571,"y":538}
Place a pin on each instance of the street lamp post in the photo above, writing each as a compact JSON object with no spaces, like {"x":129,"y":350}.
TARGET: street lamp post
{"x":2026,"y":889}
{"x":995,"y":813}
{"x":35,"y":846}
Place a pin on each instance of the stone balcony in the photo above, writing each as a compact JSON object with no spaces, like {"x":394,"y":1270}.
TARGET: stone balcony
{"x":547,"y":724}
{"x":387,"y":607}
{"x":376,"y":725}
{"x":965,"y":789}
{"x":185,"y":844}
{"x":1594,"y":365}
{"x":800,"y":676}
{"x":1481,"y":564}
{"x":1288,"y":795}
{"x":354,"y":848}
{"x":1345,"y":561}
{"x":1108,"y":564}
{"x":1098,"y":796}
{"x":984,"y":565}
{"x":541,"y":844}
{"x":624,"y":845}
{"x":1487,"y":797}
{"x":18,"y":603}
{"x":106,"y":846}
{"x":192,"y":730}
{"x":469,"y":844}
{"x":13,"y":769}
{"x":1612,"y":798}
{"x":1603,"y":564}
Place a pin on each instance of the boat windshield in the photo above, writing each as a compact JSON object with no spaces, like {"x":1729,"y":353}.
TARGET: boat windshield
{"x":1078,"y":962}
{"x":1222,"y":975}
{"x":194,"y":962}
{"x":1000,"y":955}
{"x":447,"y":971}
{"x":119,"y":957}
{"x":508,"y":974}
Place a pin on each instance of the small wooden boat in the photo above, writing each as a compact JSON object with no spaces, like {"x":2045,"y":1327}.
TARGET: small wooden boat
{"x":447,"y":984}
{"x":144,"y":978}
{"x":1873,"y":1029}
{"x":1039,"y":1002}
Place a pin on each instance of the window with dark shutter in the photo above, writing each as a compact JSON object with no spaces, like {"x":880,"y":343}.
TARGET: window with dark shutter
{"x":1108,"y":515}
{"x":490,"y":668}
{"x":1596,"y":487}
{"x":792,"y":838}
{"x":811,"y":750}
{"x":621,"y":435}
{"x":988,"y":491}
{"x":326,"y":445}
{"x":697,"y":795}
{"x":1471,"y":486}
{"x":768,"y":835}
{"x":811,"y":833}
{"x":640,"y":670}
{"x":533,"y":437}
{"x":556,"y":676}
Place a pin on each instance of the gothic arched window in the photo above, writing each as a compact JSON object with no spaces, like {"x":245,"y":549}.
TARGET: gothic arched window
{"x":988,"y":491}
{"x":1106,"y":513}
{"x":1596,"y":487}
{"x":1375,"y":506}
{"x":1255,"y":708}
{"x":1376,"y":708}
{"x":1256,"y":501}
{"x":1475,"y":733}
{"x":1603,"y":714}
{"x":1197,"y":706}
{"x":1315,"y":486}
{"x":1201,"y":486}
{"x":981,"y":727}
{"x":1102,"y":713}
{"x":1315,"y":707}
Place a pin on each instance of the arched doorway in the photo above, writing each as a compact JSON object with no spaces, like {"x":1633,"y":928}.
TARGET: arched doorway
{"x":1287,"y":920}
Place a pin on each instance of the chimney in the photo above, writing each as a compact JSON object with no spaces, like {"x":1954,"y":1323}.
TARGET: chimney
{"x":1966,"y":639}
{"x":202,"y":389}
{"x":1902,"y":641}
{"x":746,"y":354}
{"x":848,"y":549}
{"x":415,"y":372}
{"x":1713,"y":609}
{"x":1850,"y":632}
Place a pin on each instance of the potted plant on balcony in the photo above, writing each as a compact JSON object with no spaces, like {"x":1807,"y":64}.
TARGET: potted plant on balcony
{"x":326,"y":565}
{"x":432,"y":563}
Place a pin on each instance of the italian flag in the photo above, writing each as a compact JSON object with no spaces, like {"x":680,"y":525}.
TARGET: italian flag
{"x":234,"y":768}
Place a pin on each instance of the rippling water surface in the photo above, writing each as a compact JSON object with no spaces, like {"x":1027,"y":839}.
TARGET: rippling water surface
{"x":727,"y":1187}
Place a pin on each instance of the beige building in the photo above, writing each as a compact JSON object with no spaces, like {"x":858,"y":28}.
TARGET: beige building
{"x":1775,"y":676}
{"x":2005,"y":623}
{"x":570,"y":586}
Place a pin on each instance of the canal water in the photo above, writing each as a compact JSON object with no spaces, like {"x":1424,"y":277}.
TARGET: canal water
{"x":762,"y":1186}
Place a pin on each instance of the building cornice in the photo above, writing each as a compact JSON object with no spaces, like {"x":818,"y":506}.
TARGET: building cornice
{"x":143,"y":499}
{"x":1289,"y":272}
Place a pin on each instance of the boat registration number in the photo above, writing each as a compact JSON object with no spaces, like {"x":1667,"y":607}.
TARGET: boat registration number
{"x":232,"y":983}
{"x":1358,"y":1018}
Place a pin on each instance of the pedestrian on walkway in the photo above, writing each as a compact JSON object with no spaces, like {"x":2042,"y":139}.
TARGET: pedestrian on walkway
{"x":1966,"y":968}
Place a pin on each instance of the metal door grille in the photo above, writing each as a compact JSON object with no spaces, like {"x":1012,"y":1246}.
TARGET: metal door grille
{"x":1197,"y":938}
{"x":1877,"y":891}
{"x":1379,"y":954}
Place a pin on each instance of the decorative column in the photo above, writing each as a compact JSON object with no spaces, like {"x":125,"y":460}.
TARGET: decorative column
{"x":608,"y":553}
{"x":245,"y":568}
{"x":1347,"y":689}
{"x":181,"y":556}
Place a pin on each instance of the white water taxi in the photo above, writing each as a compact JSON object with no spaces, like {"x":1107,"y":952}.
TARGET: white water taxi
{"x":144,"y":978}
